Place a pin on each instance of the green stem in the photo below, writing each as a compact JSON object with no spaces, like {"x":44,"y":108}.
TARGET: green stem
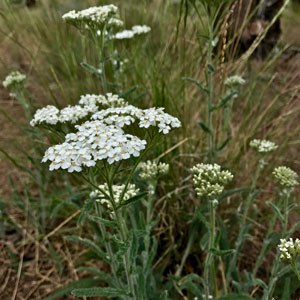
{"x":243,"y":227}
{"x":108,"y":247}
{"x":268,"y":294}
{"x":210,"y":96}
{"x":209,"y":268}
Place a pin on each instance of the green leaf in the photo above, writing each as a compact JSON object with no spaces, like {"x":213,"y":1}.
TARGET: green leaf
{"x":286,"y":295}
{"x":108,"y":223}
{"x":128,"y":92}
{"x":219,"y":252}
{"x":197,"y":83}
{"x":204,"y":128}
{"x":132,"y":199}
{"x":277,"y":211}
{"x":99,"y":273}
{"x":66,"y":290}
{"x":91,"y":245}
{"x":222,"y":146}
{"x":191,"y":282}
{"x":235,"y":297}
{"x":104,"y":292}
{"x":91,"y":69}
{"x":88,"y":204}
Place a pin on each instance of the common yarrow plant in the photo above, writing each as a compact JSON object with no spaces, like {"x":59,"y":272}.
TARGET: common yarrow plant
{"x":107,"y":136}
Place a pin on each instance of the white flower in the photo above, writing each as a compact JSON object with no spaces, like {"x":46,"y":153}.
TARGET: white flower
{"x":73,"y":113}
{"x":289,"y":249}
{"x":93,"y":141}
{"x":263,"y":146}
{"x":209,"y":180}
{"x":146,"y":117}
{"x":152,"y":170}
{"x":285,"y":177}
{"x":48,"y":115}
{"x":117,"y":190}
{"x":14,"y":79}
{"x":140,"y":29}
{"x":125,"y":34}
{"x":128,"y":34}
{"x":234,"y":80}
{"x":88,"y":104}
{"x":96,"y":15}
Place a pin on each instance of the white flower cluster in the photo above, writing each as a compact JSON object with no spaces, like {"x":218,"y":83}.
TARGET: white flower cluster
{"x":263,"y":146}
{"x":152,"y":170}
{"x":135,"y":30}
{"x":234,"y":80}
{"x":92,"y":142}
{"x":14,"y":79}
{"x":117,"y":193}
{"x":209,"y":180}
{"x":94,"y":17}
{"x":48,"y":115}
{"x":285,"y":177}
{"x":121,"y":116}
{"x":289,"y":249}
{"x":88,"y":104}
{"x":101,"y":138}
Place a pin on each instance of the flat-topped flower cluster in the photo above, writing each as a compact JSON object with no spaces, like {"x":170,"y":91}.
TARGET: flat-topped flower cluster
{"x":101,"y":137}
{"x":263,"y":146}
{"x":87,"y":105}
{"x":14,"y":79}
{"x":135,"y":30}
{"x":96,"y":16}
{"x":103,"y":20}
{"x":209,"y":180}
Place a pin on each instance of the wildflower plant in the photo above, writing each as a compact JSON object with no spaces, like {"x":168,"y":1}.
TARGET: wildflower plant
{"x":102,"y":24}
{"x":14,"y":82}
{"x":103,"y":137}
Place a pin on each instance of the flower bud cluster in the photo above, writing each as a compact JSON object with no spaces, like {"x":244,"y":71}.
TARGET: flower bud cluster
{"x":263,"y":146}
{"x":150,"y":170}
{"x":234,"y":80}
{"x":285,"y":177}
{"x":13,"y":80}
{"x":135,"y":30}
{"x":289,"y":249}
{"x":117,"y":193}
{"x":209,"y":180}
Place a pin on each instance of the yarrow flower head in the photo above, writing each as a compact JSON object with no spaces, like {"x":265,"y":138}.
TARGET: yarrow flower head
{"x":209,"y":180}
{"x":289,"y":250}
{"x":285,"y":177}
{"x":95,"y":18}
{"x":88,"y":104}
{"x":135,"y":30}
{"x":14,"y":80}
{"x":234,"y":81}
{"x":150,"y":170}
{"x":102,"y":136}
{"x":263,"y":146}
{"x":93,"y":141}
{"x":103,"y":191}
